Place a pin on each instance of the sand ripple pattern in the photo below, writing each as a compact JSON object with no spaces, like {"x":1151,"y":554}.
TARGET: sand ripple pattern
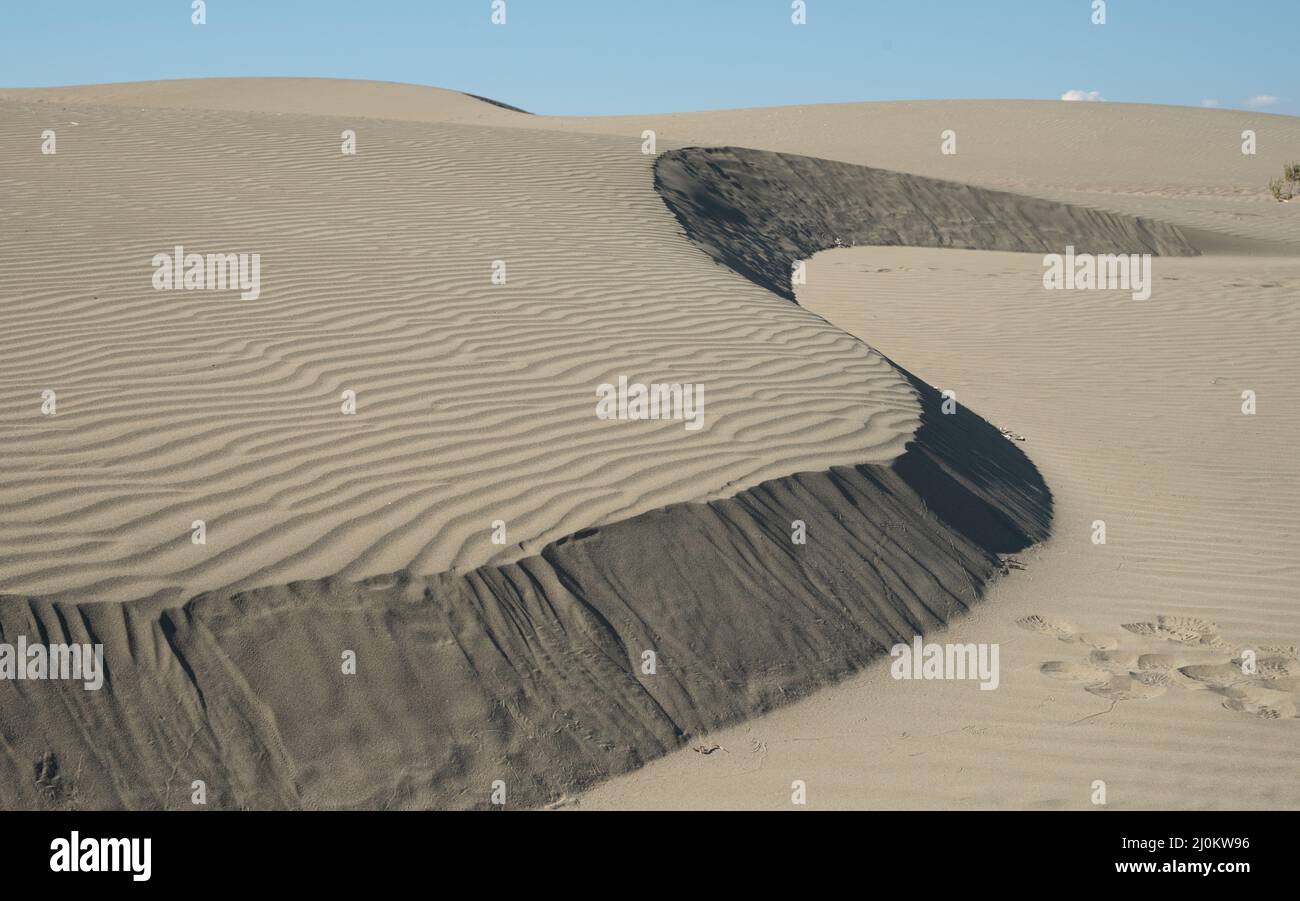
{"x":475,"y":402}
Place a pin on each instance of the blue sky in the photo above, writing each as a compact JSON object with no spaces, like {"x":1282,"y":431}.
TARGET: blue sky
{"x":640,"y":56}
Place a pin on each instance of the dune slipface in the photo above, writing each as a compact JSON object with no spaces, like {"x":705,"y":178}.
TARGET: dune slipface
{"x":529,"y":672}
{"x":758,"y":212}
{"x":475,"y":663}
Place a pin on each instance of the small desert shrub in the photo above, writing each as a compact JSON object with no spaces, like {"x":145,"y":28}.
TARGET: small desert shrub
{"x":1288,"y":185}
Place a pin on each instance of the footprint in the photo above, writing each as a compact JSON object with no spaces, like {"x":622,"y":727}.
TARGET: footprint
{"x":1075,"y":672}
{"x":1152,"y":678}
{"x":1260,"y":702}
{"x":1215,"y":675}
{"x":1098,"y":640}
{"x":1057,"y":628}
{"x":1117,"y":660}
{"x":1214,"y":642}
{"x":1281,"y":651}
{"x":1283,"y":711}
{"x":1187,"y":624}
{"x":1126,"y":688}
{"x":1274,"y":667}
{"x":1154,"y":630}
{"x":1160,"y":662}
{"x":1271,"y":692}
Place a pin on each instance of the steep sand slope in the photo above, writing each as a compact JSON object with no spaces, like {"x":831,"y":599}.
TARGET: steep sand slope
{"x":1132,"y":410}
{"x":756,"y":212}
{"x":532,"y":673}
{"x":1179,"y":165}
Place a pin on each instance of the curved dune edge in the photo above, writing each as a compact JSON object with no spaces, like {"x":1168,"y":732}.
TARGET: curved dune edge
{"x":529,"y":672}
{"x":758,"y":212}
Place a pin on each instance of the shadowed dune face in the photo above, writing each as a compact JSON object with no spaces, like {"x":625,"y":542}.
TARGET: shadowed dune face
{"x":532,"y":672}
{"x":759,"y":212}
{"x":1178,"y":165}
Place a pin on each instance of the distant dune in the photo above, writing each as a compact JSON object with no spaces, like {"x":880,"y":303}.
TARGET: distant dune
{"x":294,"y":96}
{"x":523,"y":659}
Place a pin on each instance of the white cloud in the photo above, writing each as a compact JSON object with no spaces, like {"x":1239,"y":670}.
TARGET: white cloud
{"x":1261,"y":100}
{"x":1210,"y":103}
{"x":1076,"y":94}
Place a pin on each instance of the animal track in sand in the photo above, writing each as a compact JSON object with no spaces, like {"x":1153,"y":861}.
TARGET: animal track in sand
{"x":1262,"y":681}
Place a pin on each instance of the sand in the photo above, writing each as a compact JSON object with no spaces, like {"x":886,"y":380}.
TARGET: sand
{"x":1131,"y":410}
{"x":475,"y":401}
{"x":524,"y":661}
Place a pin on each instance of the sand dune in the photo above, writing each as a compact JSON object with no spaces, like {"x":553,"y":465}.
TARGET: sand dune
{"x":475,"y":401}
{"x":1132,"y":410}
{"x":297,"y":96}
{"x":371,"y":533}
{"x":1178,"y":165}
